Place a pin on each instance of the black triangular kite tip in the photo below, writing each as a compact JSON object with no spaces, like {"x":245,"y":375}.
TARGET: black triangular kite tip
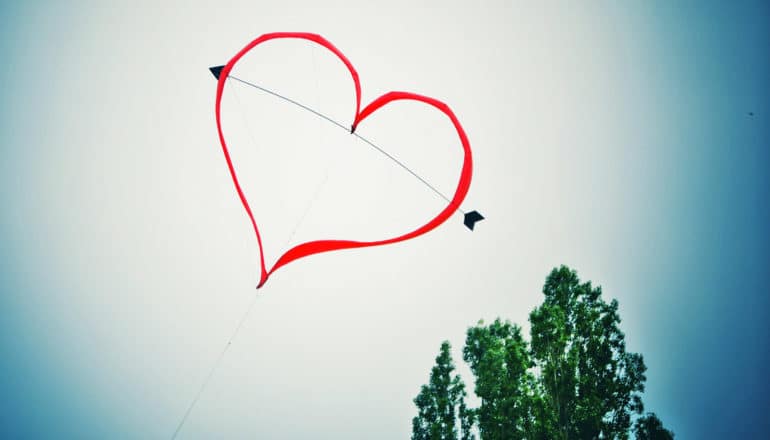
{"x":216,"y":70}
{"x":471,"y":218}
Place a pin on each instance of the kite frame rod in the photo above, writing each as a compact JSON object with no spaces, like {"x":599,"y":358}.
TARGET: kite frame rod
{"x":347,"y":129}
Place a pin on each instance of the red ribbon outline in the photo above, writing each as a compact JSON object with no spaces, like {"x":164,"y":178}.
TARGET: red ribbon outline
{"x":318,"y":246}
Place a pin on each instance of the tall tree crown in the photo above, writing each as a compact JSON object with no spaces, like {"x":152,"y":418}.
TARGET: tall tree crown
{"x":575,"y":380}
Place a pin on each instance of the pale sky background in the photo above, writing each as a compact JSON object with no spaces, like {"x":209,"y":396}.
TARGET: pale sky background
{"x":612,"y":138}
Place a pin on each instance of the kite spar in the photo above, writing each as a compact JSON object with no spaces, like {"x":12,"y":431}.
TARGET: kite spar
{"x":222,"y":73}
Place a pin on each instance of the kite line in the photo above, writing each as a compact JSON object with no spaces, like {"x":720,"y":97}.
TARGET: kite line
{"x":214,"y":368}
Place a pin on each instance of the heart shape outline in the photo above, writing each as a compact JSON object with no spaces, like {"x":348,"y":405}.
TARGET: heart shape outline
{"x":318,"y":246}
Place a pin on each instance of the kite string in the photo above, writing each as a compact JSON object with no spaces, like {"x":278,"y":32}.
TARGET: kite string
{"x":214,"y":367}
{"x":245,"y":315}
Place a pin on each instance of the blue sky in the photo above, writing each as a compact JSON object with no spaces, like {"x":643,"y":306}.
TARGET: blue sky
{"x":629,"y":142}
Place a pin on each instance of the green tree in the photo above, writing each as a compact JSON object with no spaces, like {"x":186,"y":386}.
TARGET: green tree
{"x":575,"y":380}
{"x":650,"y":427}
{"x":441,"y":403}
{"x":499,"y":358}
{"x":591,"y":383}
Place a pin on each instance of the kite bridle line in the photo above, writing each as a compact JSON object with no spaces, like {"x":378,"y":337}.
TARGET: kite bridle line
{"x":347,"y":129}
{"x":214,"y":367}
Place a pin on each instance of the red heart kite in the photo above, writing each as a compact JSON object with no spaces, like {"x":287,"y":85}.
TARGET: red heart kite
{"x":315,"y":247}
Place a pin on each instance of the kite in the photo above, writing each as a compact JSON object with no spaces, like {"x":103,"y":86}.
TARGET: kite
{"x":222,"y":73}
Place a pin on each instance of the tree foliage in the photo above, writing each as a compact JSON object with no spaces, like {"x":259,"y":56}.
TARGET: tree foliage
{"x":441,"y":403}
{"x":650,"y":427}
{"x":592,"y":384}
{"x":499,"y":359}
{"x":575,"y":380}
